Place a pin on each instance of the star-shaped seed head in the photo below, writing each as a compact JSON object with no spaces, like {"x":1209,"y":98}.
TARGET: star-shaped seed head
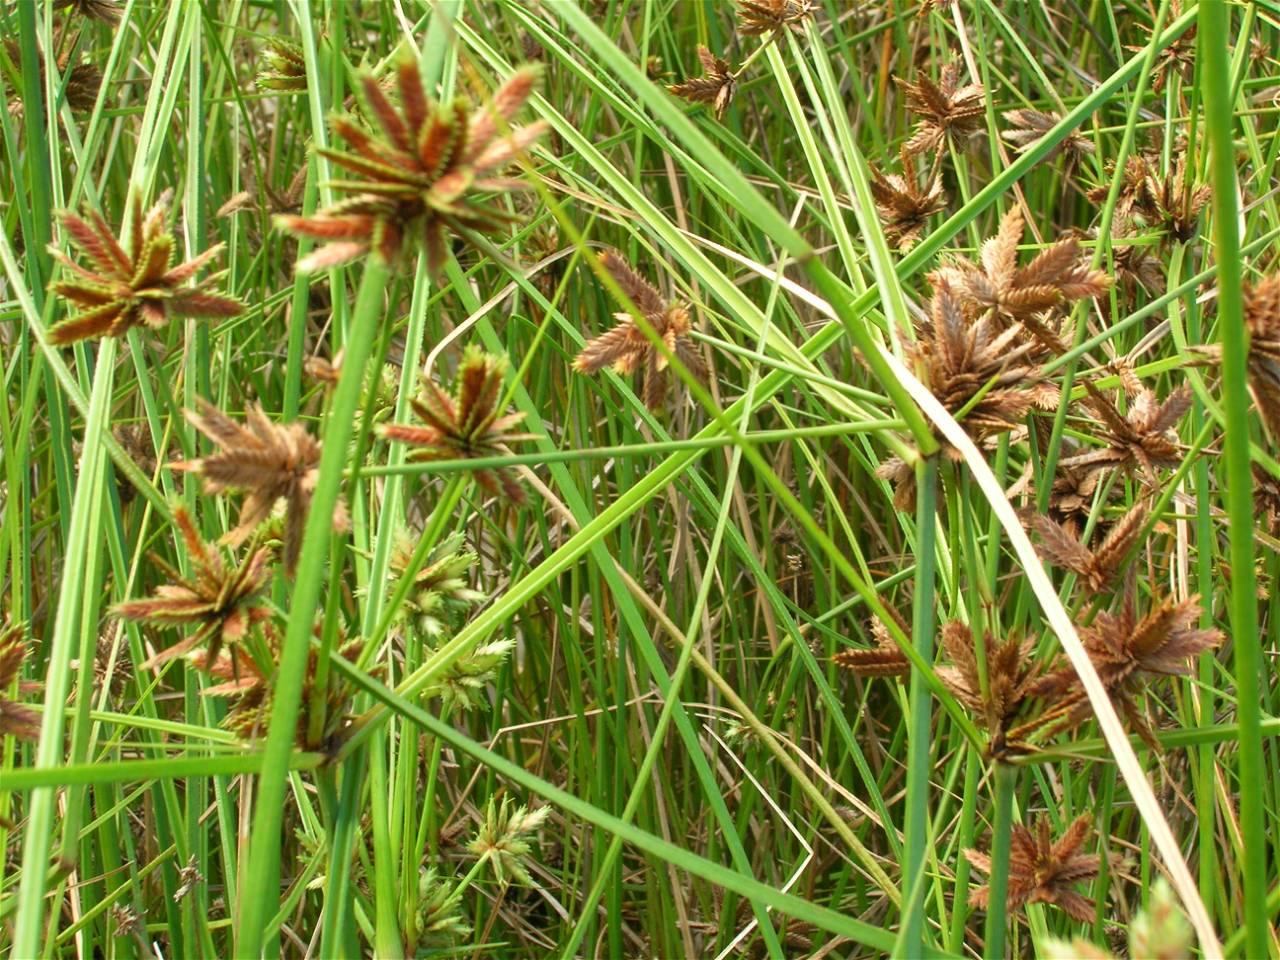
{"x":946,"y":110}
{"x":1044,"y":871}
{"x":218,"y":602}
{"x":716,"y":85}
{"x":132,"y":281}
{"x":428,"y":171}
{"x":267,"y":460}
{"x":628,"y":348}
{"x":465,"y":424}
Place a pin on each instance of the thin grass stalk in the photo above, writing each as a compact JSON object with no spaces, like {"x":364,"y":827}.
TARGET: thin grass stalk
{"x":827,"y":919}
{"x":658,"y":737}
{"x":84,"y":527}
{"x":920,"y":716}
{"x":1127,"y":140}
{"x":1235,"y":477}
{"x":39,"y":833}
{"x":263,"y":863}
{"x":1006,"y":780}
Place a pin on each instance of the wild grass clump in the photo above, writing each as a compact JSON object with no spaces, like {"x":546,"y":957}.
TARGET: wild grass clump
{"x":771,"y":478}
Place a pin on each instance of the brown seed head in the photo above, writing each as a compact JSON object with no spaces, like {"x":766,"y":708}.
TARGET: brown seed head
{"x":627,"y":348}
{"x":15,"y":719}
{"x":268,"y":461}
{"x":131,"y":282}
{"x":945,"y":110}
{"x":716,"y":85}
{"x":218,"y":602}
{"x":465,"y":424}
{"x":1044,"y":871}
{"x":759,"y":17}
{"x":425,"y":169}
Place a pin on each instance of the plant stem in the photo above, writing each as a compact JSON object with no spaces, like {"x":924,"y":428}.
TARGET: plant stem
{"x":1006,"y":778}
{"x":1235,"y":477}
{"x":264,"y":843}
{"x":920,"y":719}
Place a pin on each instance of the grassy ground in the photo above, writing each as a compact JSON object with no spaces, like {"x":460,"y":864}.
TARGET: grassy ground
{"x":909,"y":591}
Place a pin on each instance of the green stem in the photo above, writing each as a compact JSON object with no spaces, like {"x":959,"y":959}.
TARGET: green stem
{"x":998,"y":880}
{"x":38,"y":838}
{"x":920,"y":719}
{"x":264,"y":841}
{"x":1235,"y":474}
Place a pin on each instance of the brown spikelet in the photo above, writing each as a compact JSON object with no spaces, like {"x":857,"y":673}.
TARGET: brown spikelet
{"x":79,"y":83}
{"x":985,"y":375}
{"x":1126,"y":650}
{"x":1056,"y":275}
{"x":760,"y":17}
{"x":1027,"y":126}
{"x":267,"y":461}
{"x":131,"y":282}
{"x":465,"y":424}
{"x":904,"y":204}
{"x":945,"y":110}
{"x":885,"y":659}
{"x":105,"y":11}
{"x":1043,"y":871}
{"x":1134,"y":184}
{"x":627,"y":348}
{"x":1141,"y":438}
{"x":219,"y":603}
{"x":1097,"y":569}
{"x":424,"y":171}
{"x":1010,"y":677}
{"x":1177,"y":57}
{"x":1262,"y":318}
{"x":716,"y":85}
{"x":1174,"y":202}
{"x":254,"y":696}
{"x":16,"y":719}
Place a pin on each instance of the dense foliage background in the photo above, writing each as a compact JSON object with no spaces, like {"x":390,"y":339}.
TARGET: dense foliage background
{"x":768,"y":477}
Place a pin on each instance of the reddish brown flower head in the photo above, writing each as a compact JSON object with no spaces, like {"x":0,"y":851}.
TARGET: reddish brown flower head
{"x":15,"y":719}
{"x":1028,"y":126}
{"x":254,"y":696}
{"x":1072,"y":496}
{"x":759,"y":17}
{"x":1132,"y":196}
{"x":885,"y":659}
{"x":133,"y":281}
{"x":219,"y":603}
{"x":107,"y":11}
{"x":1262,"y":317}
{"x":1097,"y":569}
{"x":1042,"y":871}
{"x":1056,"y":275}
{"x":983,"y":374}
{"x":1126,"y":650}
{"x":1175,"y":202}
{"x":946,"y":110}
{"x":424,"y":168}
{"x":1010,"y":677}
{"x":1143,"y":437}
{"x":627,"y":348}
{"x":904,"y":204}
{"x":1177,"y":57}
{"x":716,"y":85}
{"x":79,"y":83}
{"x":465,"y":424}
{"x":268,"y":461}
